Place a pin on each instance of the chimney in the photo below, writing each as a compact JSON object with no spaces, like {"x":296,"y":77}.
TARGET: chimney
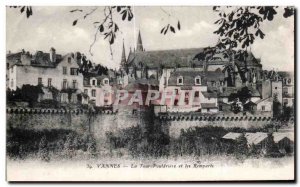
{"x":78,"y":57}
{"x":52,"y":55}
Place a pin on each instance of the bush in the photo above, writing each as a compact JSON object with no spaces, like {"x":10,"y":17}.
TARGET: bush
{"x":44,"y":150}
{"x":22,"y":143}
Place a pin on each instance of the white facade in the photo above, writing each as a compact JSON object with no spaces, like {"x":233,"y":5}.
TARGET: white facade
{"x":63,"y":76}
{"x":99,"y":91}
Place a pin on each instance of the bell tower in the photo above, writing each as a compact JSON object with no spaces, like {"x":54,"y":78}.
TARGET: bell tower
{"x":139,"y":45}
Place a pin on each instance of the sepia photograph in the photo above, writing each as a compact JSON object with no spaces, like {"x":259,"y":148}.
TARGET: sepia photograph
{"x":150,"y":93}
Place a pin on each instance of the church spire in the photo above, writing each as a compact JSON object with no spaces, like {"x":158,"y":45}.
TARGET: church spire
{"x":123,"y":58}
{"x":139,"y":45}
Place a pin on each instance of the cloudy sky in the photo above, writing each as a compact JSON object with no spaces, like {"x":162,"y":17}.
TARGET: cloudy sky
{"x":52,"y":27}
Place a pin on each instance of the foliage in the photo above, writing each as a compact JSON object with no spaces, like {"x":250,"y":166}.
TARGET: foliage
{"x":238,"y":29}
{"x":23,"y":143}
{"x":271,"y":148}
{"x":43,"y":151}
{"x":28,"y":11}
{"x":239,"y":99}
{"x":55,"y":92}
{"x":276,"y":107}
{"x":48,"y":103}
{"x":241,"y":146}
{"x":28,"y":93}
{"x":287,"y":113}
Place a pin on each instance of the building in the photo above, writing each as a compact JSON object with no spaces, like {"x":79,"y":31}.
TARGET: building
{"x":49,"y":70}
{"x":288,"y":90}
{"x":99,"y":90}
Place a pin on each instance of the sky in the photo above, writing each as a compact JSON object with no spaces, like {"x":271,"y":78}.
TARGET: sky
{"x":52,"y":27}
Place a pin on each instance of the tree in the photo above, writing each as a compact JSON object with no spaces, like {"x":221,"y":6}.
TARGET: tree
{"x":241,"y":146}
{"x":44,"y":150}
{"x":28,"y":93}
{"x":239,"y":99}
{"x":276,"y":107}
{"x":271,"y":148}
{"x":238,"y":29}
{"x":286,"y":112}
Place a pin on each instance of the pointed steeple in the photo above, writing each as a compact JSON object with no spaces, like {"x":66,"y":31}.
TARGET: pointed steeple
{"x":139,"y":45}
{"x":123,"y":58}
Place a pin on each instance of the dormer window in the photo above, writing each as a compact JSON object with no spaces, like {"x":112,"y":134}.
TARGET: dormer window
{"x":180,"y":80}
{"x":69,"y":59}
{"x":105,"y":81}
{"x":198,"y":80}
{"x":94,"y":82}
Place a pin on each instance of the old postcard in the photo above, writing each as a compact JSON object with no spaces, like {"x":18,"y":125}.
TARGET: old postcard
{"x":141,"y":93}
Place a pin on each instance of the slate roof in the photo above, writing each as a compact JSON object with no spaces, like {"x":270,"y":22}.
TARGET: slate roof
{"x":229,"y":90}
{"x":168,"y":58}
{"x":232,"y":136}
{"x":286,"y":74}
{"x":208,"y":105}
{"x":152,"y":82}
{"x":214,"y":76}
{"x":256,"y":138}
{"x":210,"y":94}
{"x":280,"y":136}
{"x":179,"y":57}
{"x":39,"y":59}
{"x":270,"y":99}
{"x":188,"y":77}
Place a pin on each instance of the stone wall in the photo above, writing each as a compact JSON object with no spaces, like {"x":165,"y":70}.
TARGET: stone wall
{"x":80,"y":121}
{"x":173,"y":124}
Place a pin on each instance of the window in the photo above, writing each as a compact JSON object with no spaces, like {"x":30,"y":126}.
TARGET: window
{"x":85,"y":91}
{"x":220,"y":107}
{"x":12,"y":83}
{"x":73,"y":71}
{"x":197,"y":94}
{"x":65,"y":84}
{"x":197,"y":81}
{"x":69,"y":59}
{"x":208,"y":110}
{"x":285,"y":101}
{"x":263,"y":108}
{"x":179,"y":80}
{"x":64,"y":70}
{"x":74,"y":84}
{"x":176,"y":91}
{"x":106,"y":81}
{"x":275,"y":88}
{"x":176,"y":102}
{"x":94,"y":82}
{"x":40,"y":81}
{"x":49,"y":82}
{"x":93,"y":93}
